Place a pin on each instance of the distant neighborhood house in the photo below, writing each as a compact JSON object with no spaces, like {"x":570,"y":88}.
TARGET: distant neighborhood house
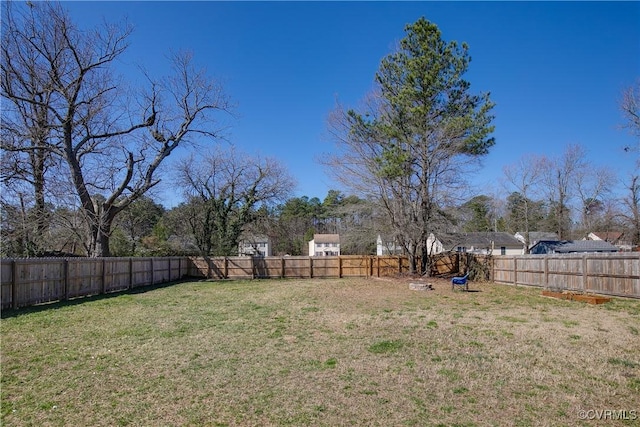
{"x":616,"y":238}
{"x":324,"y":245}
{"x":571,"y":246}
{"x":386,"y":245}
{"x":254,"y":246}
{"x":494,"y":243}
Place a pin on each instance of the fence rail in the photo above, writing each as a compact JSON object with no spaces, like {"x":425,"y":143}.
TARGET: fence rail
{"x":616,"y":274}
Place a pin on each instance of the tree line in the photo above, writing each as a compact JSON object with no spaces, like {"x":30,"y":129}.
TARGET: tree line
{"x":83,"y":150}
{"x":146,"y":228}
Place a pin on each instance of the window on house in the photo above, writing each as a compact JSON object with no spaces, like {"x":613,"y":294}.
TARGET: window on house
{"x":503,"y":250}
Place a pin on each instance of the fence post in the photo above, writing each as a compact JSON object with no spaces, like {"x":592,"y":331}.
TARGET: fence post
{"x":14,"y":284}
{"x":282,"y":267}
{"x":130,"y":272}
{"x":310,"y":268}
{"x":103,"y":277}
{"x":340,"y":267}
{"x":515,"y":270}
{"x":546,"y":271}
{"x":585,"y":276}
{"x":65,"y":279}
{"x":153,"y":272}
{"x":492,"y":263}
{"x":226,"y":267}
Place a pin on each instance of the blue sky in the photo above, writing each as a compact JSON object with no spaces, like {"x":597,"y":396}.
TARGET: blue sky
{"x":555,"y":70}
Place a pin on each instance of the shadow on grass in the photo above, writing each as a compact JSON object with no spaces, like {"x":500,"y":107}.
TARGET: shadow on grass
{"x":9,"y":313}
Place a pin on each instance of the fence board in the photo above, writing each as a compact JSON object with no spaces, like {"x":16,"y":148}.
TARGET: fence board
{"x":117,"y":274}
{"x":85,"y":277}
{"x":7,"y":283}
{"x":210,"y":268}
{"x":355,"y":266}
{"x":141,"y":272}
{"x":328,"y":266}
{"x":388,"y":266}
{"x":267,"y":268}
{"x":297,"y":267}
{"x":39,"y":283}
{"x":239,"y":268}
{"x":446,"y":263}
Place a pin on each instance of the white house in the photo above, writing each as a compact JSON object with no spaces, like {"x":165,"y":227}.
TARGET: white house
{"x":435,"y":244}
{"x":324,"y":245}
{"x":388,"y":246}
{"x":494,"y":243}
{"x":254,"y":246}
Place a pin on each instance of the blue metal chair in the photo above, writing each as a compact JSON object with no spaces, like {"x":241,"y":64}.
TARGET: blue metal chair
{"x":460,"y":281}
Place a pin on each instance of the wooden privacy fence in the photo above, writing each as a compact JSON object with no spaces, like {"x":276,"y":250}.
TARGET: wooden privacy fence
{"x":298,"y":267}
{"x":26,"y":282}
{"x":30,"y":281}
{"x":616,"y":274}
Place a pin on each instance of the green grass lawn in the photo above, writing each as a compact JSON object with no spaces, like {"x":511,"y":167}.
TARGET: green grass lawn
{"x":322,"y":352}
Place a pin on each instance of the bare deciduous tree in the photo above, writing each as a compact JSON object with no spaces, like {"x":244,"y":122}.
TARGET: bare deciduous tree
{"x":110,"y":139}
{"x":630,"y":105}
{"x":224,"y":189}
{"x":593,"y":187}
{"x":560,"y":180}
{"x":632,"y":204}
{"x":26,"y":92}
{"x":525,"y":177}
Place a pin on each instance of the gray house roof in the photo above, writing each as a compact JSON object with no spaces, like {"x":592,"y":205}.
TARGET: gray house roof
{"x":572,"y":246}
{"x":542,"y":235}
{"x":326,"y":238}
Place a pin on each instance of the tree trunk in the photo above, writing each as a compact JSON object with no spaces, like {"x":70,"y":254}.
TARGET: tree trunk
{"x":42,"y":223}
{"x":425,"y":262}
{"x":412,"y":257}
{"x":100,"y":233}
{"x":99,"y":243}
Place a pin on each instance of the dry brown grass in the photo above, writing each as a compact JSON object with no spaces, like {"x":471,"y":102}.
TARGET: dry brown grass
{"x":323,"y":352}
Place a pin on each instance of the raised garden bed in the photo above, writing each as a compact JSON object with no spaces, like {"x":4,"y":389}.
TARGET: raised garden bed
{"x":573,"y":296}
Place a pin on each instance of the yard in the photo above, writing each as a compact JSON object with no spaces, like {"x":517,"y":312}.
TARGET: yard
{"x":322,"y":352}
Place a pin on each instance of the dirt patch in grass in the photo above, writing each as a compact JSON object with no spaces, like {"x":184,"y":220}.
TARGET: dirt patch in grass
{"x":323,"y":352}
